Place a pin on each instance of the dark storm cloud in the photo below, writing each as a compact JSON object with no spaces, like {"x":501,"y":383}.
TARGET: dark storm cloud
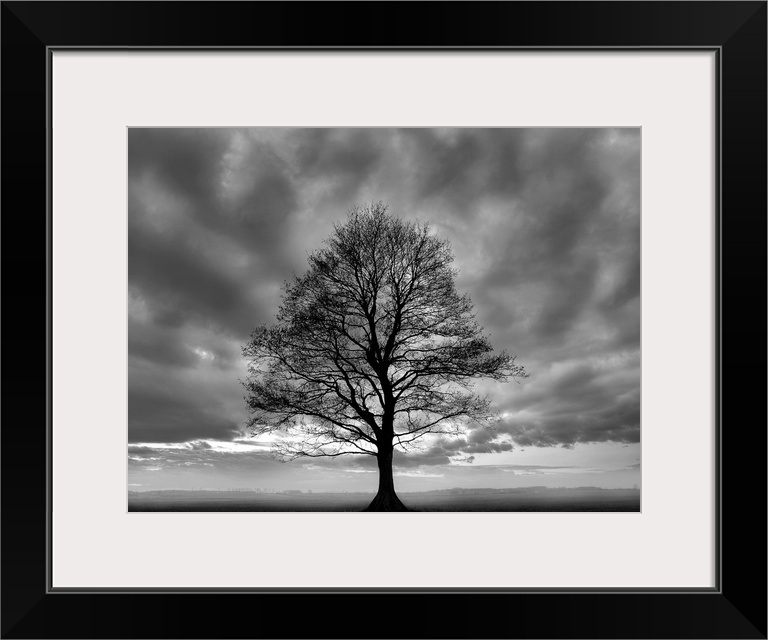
{"x":171,"y":404}
{"x":478,"y":440}
{"x":571,"y":224}
{"x":544,"y":223}
{"x":579,"y":404}
{"x":231,"y":187}
{"x":342,"y":158}
{"x":136,"y":450}
{"x":160,"y":344}
{"x":161,"y":416}
{"x":181,"y":284}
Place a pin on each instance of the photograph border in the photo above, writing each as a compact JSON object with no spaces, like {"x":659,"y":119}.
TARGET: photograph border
{"x":735,"y":607}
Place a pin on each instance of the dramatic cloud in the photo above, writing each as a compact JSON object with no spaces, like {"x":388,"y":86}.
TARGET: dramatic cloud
{"x":544,"y":225}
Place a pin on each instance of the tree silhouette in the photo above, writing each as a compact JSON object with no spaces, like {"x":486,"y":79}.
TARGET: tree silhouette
{"x":372,"y":350}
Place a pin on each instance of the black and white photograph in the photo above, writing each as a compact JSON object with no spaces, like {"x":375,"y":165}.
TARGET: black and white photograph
{"x":386,"y":320}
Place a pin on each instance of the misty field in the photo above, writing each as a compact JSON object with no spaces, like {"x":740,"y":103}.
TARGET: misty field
{"x":535,"y":499}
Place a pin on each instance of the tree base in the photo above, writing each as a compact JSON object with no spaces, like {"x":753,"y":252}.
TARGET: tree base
{"x":386,"y":502}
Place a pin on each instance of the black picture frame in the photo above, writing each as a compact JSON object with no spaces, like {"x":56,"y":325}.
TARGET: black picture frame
{"x":735,"y":608}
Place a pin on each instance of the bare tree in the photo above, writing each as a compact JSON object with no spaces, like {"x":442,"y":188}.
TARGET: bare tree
{"x":372,"y":350}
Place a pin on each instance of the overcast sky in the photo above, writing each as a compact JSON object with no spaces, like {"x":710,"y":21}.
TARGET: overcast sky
{"x":545,"y":229}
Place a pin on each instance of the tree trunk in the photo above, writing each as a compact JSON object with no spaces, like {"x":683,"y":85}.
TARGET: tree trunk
{"x":386,"y":499}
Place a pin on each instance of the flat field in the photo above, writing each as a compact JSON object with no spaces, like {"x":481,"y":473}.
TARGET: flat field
{"x":538,"y":499}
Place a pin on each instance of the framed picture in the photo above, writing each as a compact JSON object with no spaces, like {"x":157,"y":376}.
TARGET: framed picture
{"x":597,"y":186}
